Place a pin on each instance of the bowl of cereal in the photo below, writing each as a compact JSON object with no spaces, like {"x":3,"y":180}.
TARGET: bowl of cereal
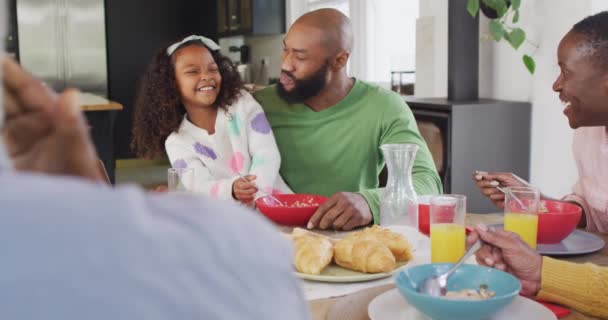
{"x":294,"y":209}
{"x":474,"y":292}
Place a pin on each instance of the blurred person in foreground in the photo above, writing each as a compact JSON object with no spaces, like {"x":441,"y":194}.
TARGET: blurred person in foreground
{"x":75,"y":248}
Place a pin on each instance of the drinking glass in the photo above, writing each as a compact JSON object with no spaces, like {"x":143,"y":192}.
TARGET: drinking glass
{"x":180,"y":179}
{"x":521,"y":213}
{"x":447,"y":227}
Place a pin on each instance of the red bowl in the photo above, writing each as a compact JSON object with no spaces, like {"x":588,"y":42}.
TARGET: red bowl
{"x":424,"y":211}
{"x":558,"y":222}
{"x":289,"y":214}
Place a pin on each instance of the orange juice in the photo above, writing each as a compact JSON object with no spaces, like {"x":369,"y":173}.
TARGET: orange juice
{"x":524,"y":224}
{"x":447,"y":242}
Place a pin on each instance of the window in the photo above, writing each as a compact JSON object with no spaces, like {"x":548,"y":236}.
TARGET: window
{"x":392,"y":29}
{"x":384,"y":31}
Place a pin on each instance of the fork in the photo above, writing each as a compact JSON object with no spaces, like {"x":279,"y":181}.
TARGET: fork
{"x":507,"y":191}
{"x":264,"y":192}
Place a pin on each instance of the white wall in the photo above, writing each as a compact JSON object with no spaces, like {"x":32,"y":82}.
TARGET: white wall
{"x":499,"y":64}
{"x":503,"y":76}
{"x":552,"y":164}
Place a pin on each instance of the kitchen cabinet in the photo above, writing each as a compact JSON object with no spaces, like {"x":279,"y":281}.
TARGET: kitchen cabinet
{"x":250,"y":17}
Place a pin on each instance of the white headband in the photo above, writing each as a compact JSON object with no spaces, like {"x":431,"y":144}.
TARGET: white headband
{"x":206,"y":41}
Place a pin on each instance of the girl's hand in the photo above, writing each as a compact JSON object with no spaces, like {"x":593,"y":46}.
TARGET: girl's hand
{"x":244,"y":191}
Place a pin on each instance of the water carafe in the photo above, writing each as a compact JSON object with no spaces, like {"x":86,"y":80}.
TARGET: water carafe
{"x":399,"y":203}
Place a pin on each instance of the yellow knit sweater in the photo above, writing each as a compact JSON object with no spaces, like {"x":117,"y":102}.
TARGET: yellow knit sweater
{"x":583,"y":287}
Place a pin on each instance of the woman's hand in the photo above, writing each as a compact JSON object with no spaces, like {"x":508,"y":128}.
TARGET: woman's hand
{"x":488,"y":181}
{"x":506,"y":251}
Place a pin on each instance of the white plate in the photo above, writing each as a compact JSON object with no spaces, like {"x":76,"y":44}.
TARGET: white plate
{"x":335,"y":273}
{"x":390,"y":305}
{"x":578,"y":242}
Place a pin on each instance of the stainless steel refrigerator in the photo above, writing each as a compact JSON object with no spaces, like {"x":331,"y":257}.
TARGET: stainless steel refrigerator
{"x":63,"y":42}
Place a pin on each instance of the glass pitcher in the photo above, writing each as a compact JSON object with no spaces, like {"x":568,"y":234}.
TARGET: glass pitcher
{"x":399,"y":203}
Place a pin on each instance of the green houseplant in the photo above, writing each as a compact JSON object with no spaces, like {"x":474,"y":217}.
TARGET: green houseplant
{"x":504,"y":16}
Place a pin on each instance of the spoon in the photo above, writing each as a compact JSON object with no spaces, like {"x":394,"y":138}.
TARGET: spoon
{"x":266,"y":193}
{"x":436,"y":286}
{"x":519,"y":202}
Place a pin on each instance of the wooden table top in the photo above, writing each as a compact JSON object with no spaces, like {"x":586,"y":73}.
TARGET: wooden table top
{"x":354,"y":306}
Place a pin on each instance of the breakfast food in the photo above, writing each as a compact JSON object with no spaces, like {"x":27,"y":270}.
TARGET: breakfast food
{"x":313,"y":252}
{"x":370,"y":256}
{"x":310,"y":202}
{"x":396,"y":243}
{"x":471,"y":294}
{"x":371,"y":250}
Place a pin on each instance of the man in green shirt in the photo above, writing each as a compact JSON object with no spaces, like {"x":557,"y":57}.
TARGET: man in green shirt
{"x":329,"y":126}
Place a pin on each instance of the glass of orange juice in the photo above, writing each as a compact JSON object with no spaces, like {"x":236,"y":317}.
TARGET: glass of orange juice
{"x":447,"y":214}
{"x":521,"y":213}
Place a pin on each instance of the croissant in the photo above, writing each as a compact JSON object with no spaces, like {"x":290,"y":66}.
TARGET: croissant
{"x":364,"y":255}
{"x":313,"y":252}
{"x":399,"y":246}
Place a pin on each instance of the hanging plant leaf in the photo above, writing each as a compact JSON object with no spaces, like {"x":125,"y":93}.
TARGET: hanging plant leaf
{"x":515,"y":4}
{"x":516,"y":38}
{"x":529,"y":63}
{"x":473,"y":7}
{"x":502,"y":8}
{"x":496,"y":30}
{"x":516,"y":16}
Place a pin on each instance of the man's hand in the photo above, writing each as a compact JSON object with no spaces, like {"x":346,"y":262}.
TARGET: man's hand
{"x":343,"y":210}
{"x":44,"y":132}
{"x":507,"y":252}
{"x":244,"y":191}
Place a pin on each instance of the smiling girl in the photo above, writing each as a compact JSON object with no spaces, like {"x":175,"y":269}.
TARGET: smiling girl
{"x":193,"y":104}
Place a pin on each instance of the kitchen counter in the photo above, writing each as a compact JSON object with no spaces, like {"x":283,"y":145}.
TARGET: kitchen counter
{"x":91,"y":102}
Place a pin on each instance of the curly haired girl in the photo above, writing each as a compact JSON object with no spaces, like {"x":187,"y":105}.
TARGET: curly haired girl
{"x":192,"y":102}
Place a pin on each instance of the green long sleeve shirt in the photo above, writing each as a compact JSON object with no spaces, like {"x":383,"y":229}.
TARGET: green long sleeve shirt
{"x":338,"y":149}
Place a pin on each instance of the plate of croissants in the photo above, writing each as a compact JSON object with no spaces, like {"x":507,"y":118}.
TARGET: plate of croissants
{"x":368,"y":254}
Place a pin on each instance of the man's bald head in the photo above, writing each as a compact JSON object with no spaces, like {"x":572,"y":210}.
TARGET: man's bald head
{"x":334,"y":25}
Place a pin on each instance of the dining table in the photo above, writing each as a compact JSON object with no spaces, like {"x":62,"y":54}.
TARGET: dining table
{"x":353,"y":306}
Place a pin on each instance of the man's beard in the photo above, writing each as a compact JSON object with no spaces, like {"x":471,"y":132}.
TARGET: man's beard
{"x":304,"y":89}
